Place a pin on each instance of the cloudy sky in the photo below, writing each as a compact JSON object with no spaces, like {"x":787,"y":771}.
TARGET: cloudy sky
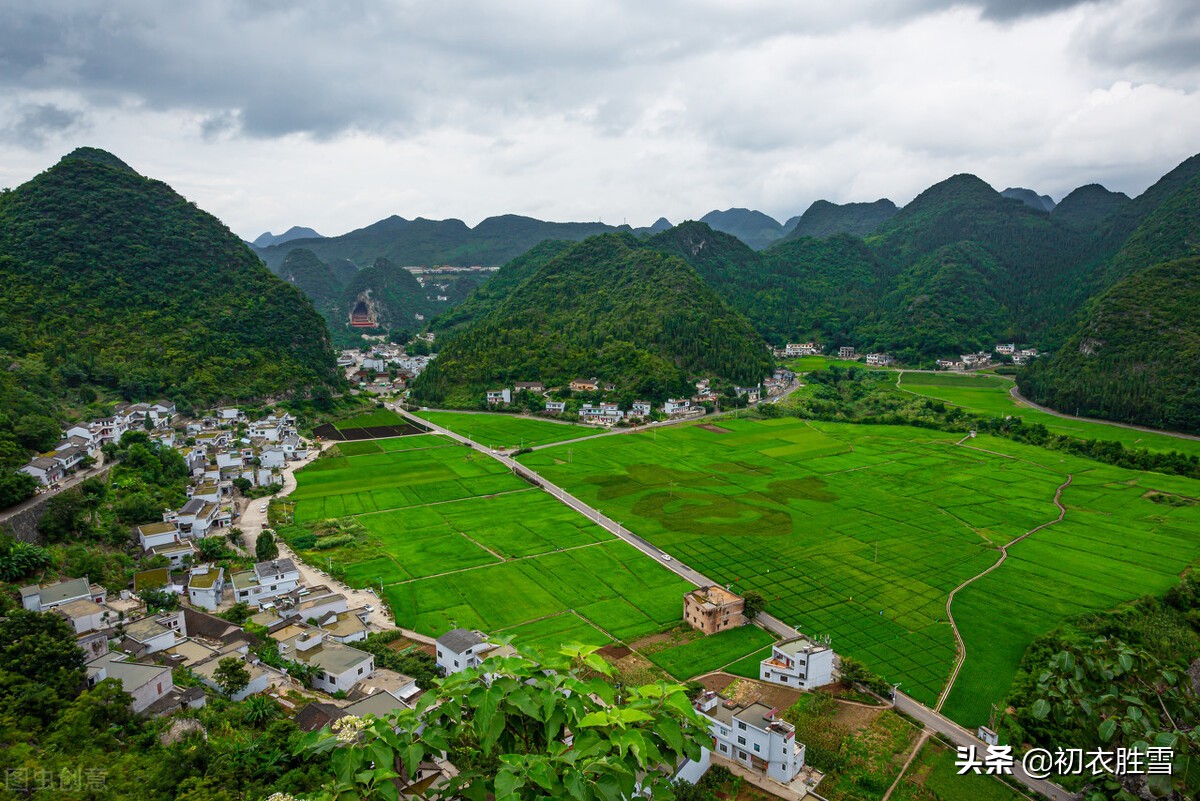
{"x":338,"y":114}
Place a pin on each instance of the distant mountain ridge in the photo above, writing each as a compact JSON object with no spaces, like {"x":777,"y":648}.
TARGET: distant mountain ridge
{"x":295,"y":232}
{"x":752,"y":227}
{"x":1030,"y":198}
{"x":824,"y":219}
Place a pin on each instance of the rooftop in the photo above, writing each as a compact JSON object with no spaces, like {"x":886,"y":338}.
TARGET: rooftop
{"x":150,"y":529}
{"x":63,"y":591}
{"x":206,"y":580}
{"x":799,"y":645}
{"x":459,"y":640}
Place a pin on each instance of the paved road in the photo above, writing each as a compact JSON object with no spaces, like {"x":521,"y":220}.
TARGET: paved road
{"x":960,"y":736}
{"x":931,"y":719}
{"x":1021,"y":399}
{"x":63,"y":485}
{"x":697,"y":578}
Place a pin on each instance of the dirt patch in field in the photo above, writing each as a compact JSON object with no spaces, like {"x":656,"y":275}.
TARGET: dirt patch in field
{"x":855,"y":718}
{"x":328,"y":432}
{"x":614,"y":652}
{"x":403,"y":644}
{"x":714,"y":429}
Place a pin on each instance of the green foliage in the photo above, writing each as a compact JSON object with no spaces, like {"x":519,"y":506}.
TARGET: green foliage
{"x":265,"y":547}
{"x":824,"y":219}
{"x":506,"y":735}
{"x":754,"y":603}
{"x":41,"y":667}
{"x":410,"y":661}
{"x":606,"y":307}
{"x":115,"y":281}
{"x":1134,"y":356}
{"x":20,"y":559}
{"x":159,"y":600}
{"x":239,"y":613}
{"x":231,"y":675}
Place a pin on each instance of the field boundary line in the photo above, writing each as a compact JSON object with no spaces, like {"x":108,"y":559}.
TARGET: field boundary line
{"x":493,"y":564}
{"x":921,"y":740}
{"x":962,"y":647}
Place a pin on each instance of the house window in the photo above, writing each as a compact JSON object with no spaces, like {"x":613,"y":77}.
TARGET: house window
{"x":456,"y":663}
{"x":741,"y":741}
{"x":741,"y":725}
{"x":440,"y":654}
{"x":360,"y":670}
{"x":756,"y":748}
{"x":724,"y":732}
{"x":783,"y":679}
{"x":724,"y":749}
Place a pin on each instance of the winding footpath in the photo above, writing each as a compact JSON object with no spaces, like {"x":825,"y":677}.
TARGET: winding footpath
{"x":962,"y":647}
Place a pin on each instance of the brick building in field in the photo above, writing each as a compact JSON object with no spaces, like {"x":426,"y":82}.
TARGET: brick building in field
{"x":713,"y":609}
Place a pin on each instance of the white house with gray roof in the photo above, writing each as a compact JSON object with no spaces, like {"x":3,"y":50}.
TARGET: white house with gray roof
{"x":339,"y":667}
{"x":146,"y":683}
{"x":798,"y":662}
{"x":43,"y":598}
{"x":754,"y":736}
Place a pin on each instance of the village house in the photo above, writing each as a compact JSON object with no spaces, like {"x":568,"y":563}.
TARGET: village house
{"x":195,"y":518}
{"x":345,"y":627}
{"x":44,"y":597}
{"x":556,"y":407}
{"x":206,"y":586}
{"x":847,"y":352}
{"x":499,"y":396}
{"x":84,"y":615}
{"x":529,"y":386}
{"x":145,"y":683}
{"x":1006,"y":350}
{"x":260,"y":676}
{"x":584,"y":385}
{"x":605,"y":414}
{"x":45,"y":469}
{"x":676,"y":406}
{"x":798,"y":662}
{"x":179,"y":553}
{"x":266,"y":581}
{"x":713,"y":609}
{"x":801,"y":349}
{"x":152,"y":634}
{"x":879,"y":359}
{"x":754,"y":736}
{"x":460,"y":649}
{"x":640,"y":409}
{"x":151,"y":535}
{"x":317,"y":608}
{"x":752,"y":393}
{"x":949,"y":364}
{"x":339,"y":667}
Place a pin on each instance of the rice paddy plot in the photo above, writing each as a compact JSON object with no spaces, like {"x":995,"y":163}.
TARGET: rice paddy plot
{"x":861,"y":532}
{"x":991,"y":396}
{"x":371,"y":419}
{"x":506,"y":431}
{"x":706,"y":654}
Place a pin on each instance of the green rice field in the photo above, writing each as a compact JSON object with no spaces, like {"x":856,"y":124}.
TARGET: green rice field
{"x":706,"y":654}
{"x":507,"y":431}
{"x":860,"y":533}
{"x":451,"y":538}
{"x":989,"y":395}
{"x":376,"y":417}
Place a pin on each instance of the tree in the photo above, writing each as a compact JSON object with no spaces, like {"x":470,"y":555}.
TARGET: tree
{"x":239,"y":613}
{"x":260,"y":710}
{"x":212,"y":548}
{"x":503,"y":726}
{"x":265,"y":548}
{"x":235,"y":537}
{"x":159,"y":600}
{"x":753,"y":604}
{"x":231,"y":675}
{"x":41,"y":663}
{"x":19,"y":559}
{"x":15,"y":486}
{"x":242,"y":485}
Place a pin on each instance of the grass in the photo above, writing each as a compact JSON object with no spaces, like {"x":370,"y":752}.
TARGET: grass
{"x":506,"y":430}
{"x":806,"y":364}
{"x":932,"y":776}
{"x":452,"y":538}
{"x":376,"y":417}
{"x":706,"y":654}
{"x":860,"y":533}
{"x":991,"y":396}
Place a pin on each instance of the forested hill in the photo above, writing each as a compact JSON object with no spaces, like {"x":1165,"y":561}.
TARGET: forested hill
{"x":610,"y":308}
{"x":1134,"y":355}
{"x":824,"y":219}
{"x":1134,"y":358}
{"x":113,"y":282}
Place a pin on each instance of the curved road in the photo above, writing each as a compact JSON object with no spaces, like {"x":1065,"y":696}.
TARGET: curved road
{"x":1021,"y":399}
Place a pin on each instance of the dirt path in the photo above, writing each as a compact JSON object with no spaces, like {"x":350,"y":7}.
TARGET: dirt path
{"x":962,"y":648}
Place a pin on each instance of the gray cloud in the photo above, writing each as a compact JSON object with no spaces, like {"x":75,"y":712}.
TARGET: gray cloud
{"x":35,"y":124}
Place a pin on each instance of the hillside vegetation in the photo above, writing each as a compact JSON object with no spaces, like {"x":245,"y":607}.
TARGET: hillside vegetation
{"x":113,"y":283}
{"x":608,"y":308}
